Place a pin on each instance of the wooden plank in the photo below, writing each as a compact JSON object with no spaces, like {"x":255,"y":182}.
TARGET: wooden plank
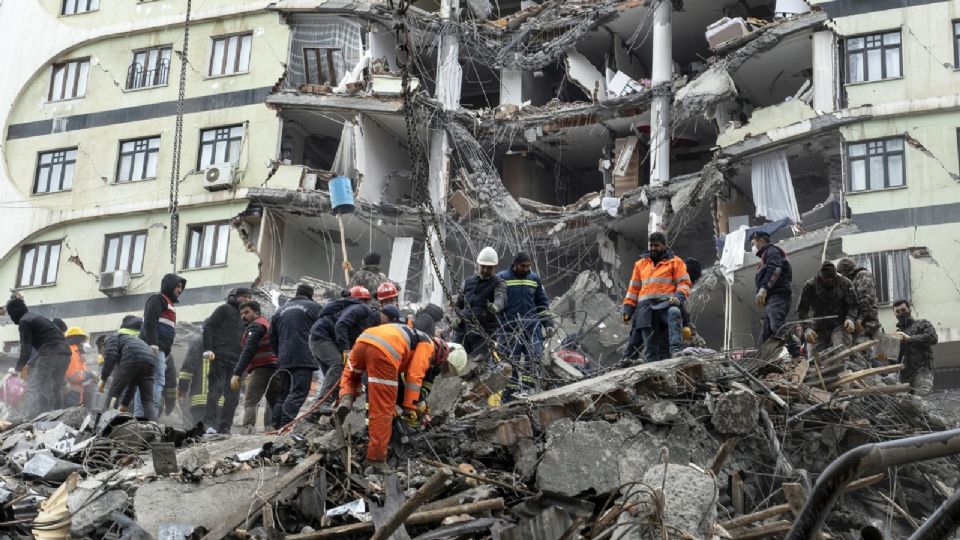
{"x":736,"y":492}
{"x":764,"y":531}
{"x":766,"y":513}
{"x":478,"y":477}
{"x":393,"y":501}
{"x":716,"y":464}
{"x":419,"y":498}
{"x":877,"y":390}
{"x":795,"y":496}
{"x":857,"y":375}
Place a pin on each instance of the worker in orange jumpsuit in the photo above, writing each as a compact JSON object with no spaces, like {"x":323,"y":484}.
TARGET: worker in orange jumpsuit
{"x":385,"y":352}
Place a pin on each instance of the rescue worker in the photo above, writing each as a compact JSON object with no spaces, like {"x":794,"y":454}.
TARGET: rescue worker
{"x":829,"y":297}
{"x":388,"y":294}
{"x":369,"y":275}
{"x":222,"y":334}
{"x":917,"y":338}
{"x":79,"y":379}
{"x":385,"y":353}
{"x":45,"y":381}
{"x":259,"y":362}
{"x":659,"y":287}
{"x":135,"y":365}
{"x":868,"y":324}
{"x":192,"y":386}
{"x":289,"y":338}
{"x":481,"y":300}
{"x":323,"y":344}
{"x":526,"y":321}
{"x":774,"y":282}
{"x":158,"y":331}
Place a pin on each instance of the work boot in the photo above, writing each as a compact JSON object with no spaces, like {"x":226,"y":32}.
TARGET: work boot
{"x":346,"y":405}
{"x":375,"y":467}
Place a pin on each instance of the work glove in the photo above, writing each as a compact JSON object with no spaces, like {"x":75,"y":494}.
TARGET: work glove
{"x":423,"y":408}
{"x":810,"y":336}
{"x":235,"y":383}
{"x":208,"y":355}
{"x":687,"y":333}
{"x":761,"y":298}
{"x":156,"y":350}
{"x":849,"y":326}
{"x":903,"y":337}
{"x":100,"y":359}
{"x":344,"y":408}
{"x":493,"y":308}
{"x":673,"y":301}
{"x":347,"y":266}
{"x":25,"y":373}
{"x":101,"y":386}
{"x":627,"y":317}
{"x":410,"y":418}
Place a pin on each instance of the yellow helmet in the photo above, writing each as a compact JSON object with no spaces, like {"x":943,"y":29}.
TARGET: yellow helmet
{"x":75,"y":331}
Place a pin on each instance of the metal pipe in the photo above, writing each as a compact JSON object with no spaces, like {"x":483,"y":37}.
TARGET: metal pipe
{"x":943,"y":522}
{"x":865,"y":460}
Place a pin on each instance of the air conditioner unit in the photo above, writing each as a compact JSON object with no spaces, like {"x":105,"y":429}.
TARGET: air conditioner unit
{"x":219,"y":176}
{"x":114,"y":283}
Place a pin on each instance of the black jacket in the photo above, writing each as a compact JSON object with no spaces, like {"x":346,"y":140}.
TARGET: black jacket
{"x":153,"y":332}
{"x":774,"y":272}
{"x":124,"y":348}
{"x":255,"y":332}
{"x":324,"y":329}
{"x":289,"y":331}
{"x":474,"y":297}
{"x":38,"y":332}
{"x":193,"y":380}
{"x":353,"y":322}
{"x":223,"y":330}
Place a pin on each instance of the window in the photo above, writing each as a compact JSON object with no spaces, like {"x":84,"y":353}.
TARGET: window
{"x":124,"y":251}
{"x":320,"y":66}
{"x":150,"y":67}
{"x":876,"y":164}
{"x":55,"y":171}
{"x":220,"y":145}
{"x":71,"y":7}
{"x":69,"y":80}
{"x":873,"y":58}
{"x":138,"y":159}
{"x":956,"y":44}
{"x":891,"y":273}
{"x":230,"y":54}
{"x":11,"y":347}
{"x":38,"y":264}
{"x":207,"y":244}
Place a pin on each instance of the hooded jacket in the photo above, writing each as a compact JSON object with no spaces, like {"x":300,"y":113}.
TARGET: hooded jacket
{"x":223,"y":330}
{"x":159,"y":318}
{"x":324,"y":329}
{"x":774,"y":272}
{"x":36,"y":332}
{"x":289,"y":333}
{"x":124,"y":347}
{"x":353,"y":322}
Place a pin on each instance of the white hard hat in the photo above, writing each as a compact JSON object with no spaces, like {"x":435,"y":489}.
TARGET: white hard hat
{"x":456,"y":358}
{"x":488,"y":257}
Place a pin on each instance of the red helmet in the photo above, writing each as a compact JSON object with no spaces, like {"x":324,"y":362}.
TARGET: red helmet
{"x":387,"y":290}
{"x":359,"y":292}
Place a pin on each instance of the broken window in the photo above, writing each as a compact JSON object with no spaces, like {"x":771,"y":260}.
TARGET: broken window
{"x":230,"y":54}
{"x":38,"y":264}
{"x":891,"y":273}
{"x":138,"y":159}
{"x":323,"y":49}
{"x":150,"y":67}
{"x":124,"y":251}
{"x":877,"y":164}
{"x":220,"y":145}
{"x":55,"y":171}
{"x":207,"y":244}
{"x":874,"y":57}
{"x":319,"y":65}
{"x":69,"y":80}
{"x":72,"y":7}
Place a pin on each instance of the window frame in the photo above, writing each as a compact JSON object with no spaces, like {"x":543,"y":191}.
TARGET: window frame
{"x":882,"y":278}
{"x":134,"y":235}
{"x":76,"y":82}
{"x":202,"y":227}
{"x":848,"y":53}
{"x":46,"y":264}
{"x":331,"y":65}
{"x":146,"y":160}
{"x":226,"y":47}
{"x":160,"y":74}
{"x":865,"y":157}
{"x":230,"y":140}
{"x":40,"y":165}
{"x":63,"y":7}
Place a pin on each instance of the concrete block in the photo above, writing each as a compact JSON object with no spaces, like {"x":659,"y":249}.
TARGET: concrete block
{"x":660,"y":412}
{"x":736,"y":412}
{"x":690,"y":498}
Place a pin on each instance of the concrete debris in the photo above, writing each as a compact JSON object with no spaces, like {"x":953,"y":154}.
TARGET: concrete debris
{"x":736,"y":412}
{"x":661,"y":412}
{"x":688,"y":498}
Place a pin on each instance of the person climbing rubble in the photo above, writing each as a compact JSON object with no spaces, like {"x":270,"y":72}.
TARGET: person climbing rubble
{"x":135,"y":363}
{"x":369,"y":276}
{"x":482,"y":298}
{"x":222,"y":334}
{"x":259,"y":363}
{"x":659,"y":286}
{"x":774,"y":282}
{"x":830,"y":298}
{"x":289,"y":338}
{"x":917,"y":338}
{"x":385,"y":353}
{"x":868,"y":324}
{"x":324,"y":347}
{"x":45,"y":380}
{"x":158,"y":331}
{"x":526,"y":321}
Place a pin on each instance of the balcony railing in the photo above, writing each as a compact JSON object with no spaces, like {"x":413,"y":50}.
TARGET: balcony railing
{"x":137,"y":77}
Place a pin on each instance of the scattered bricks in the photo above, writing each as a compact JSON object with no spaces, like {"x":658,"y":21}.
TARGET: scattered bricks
{"x":508,"y":433}
{"x":736,"y":412}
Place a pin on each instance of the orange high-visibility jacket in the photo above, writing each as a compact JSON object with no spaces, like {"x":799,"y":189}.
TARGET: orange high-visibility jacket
{"x":650,"y":281}
{"x":409,"y":349}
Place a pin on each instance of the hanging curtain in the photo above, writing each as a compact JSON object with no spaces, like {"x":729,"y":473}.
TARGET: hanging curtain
{"x":773,"y":193}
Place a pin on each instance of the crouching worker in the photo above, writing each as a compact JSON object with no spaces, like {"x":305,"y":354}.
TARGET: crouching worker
{"x":135,"y":362}
{"x":385,"y":353}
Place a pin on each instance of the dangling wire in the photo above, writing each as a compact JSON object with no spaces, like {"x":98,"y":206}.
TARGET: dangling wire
{"x":178,"y":145}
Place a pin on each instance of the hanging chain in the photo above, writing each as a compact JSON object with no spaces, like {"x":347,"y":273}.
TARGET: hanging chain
{"x":174,"y":209}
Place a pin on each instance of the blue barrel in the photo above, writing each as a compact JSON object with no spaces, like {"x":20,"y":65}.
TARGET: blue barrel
{"x":341,"y":195}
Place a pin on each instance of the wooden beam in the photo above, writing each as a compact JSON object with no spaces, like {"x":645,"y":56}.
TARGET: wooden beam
{"x":857,"y":375}
{"x":764,"y":531}
{"x":419,"y":498}
{"x":766,"y":513}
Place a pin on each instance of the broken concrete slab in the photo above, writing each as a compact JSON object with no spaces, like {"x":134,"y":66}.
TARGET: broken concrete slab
{"x":92,"y":509}
{"x":690,"y":498}
{"x":48,"y":468}
{"x":660,"y":412}
{"x":736,"y":412}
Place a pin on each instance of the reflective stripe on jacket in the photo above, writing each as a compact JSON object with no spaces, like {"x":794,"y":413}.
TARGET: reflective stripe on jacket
{"x":411,"y":350}
{"x":651,"y":281}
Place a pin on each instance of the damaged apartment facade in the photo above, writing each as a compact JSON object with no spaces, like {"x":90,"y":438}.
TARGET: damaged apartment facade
{"x":530,"y":129}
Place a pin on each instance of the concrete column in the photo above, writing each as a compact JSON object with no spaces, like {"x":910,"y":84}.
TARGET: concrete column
{"x":660,"y":112}
{"x":825,"y":72}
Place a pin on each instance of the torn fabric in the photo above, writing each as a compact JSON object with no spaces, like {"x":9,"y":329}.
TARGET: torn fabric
{"x":732,"y":257}
{"x":773,"y":193}
{"x":319,"y":41}
{"x":344,"y":163}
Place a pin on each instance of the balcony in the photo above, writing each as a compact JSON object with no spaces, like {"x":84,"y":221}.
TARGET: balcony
{"x":138,"y":77}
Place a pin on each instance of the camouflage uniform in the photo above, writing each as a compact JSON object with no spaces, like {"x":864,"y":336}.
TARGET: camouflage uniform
{"x":839,"y":301}
{"x":368,"y":276}
{"x":866,"y":291}
{"x":916,"y":354}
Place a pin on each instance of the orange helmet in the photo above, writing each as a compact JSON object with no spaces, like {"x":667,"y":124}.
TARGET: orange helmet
{"x":387,"y":290}
{"x":359,"y":292}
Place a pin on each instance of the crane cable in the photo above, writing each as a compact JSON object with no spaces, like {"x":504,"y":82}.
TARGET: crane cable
{"x":173,"y":208}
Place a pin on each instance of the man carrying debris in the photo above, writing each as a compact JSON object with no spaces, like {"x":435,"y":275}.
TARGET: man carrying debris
{"x":774,"y":281}
{"x":290,"y":331}
{"x":868,"y":325}
{"x":45,"y":381}
{"x":526,"y":319}
{"x":222,"y":334}
{"x":135,"y":365}
{"x":385,"y":353}
{"x":158,"y":331}
{"x":482,"y":298}
{"x":259,"y":362}
{"x":369,"y":275}
{"x":829,"y":297}
{"x":323,"y":343}
{"x":659,"y":286}
{"x":917,"y":338}
{"x":194,"y":375}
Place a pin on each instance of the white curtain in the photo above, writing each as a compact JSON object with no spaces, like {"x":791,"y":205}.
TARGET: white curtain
{"x":773,"y":188}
